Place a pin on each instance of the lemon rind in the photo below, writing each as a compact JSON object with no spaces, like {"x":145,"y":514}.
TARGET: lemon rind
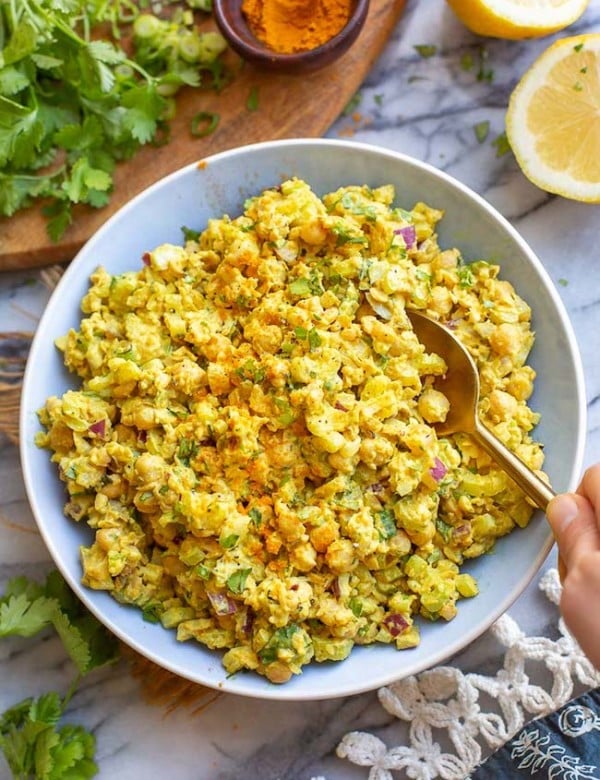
{"x":523,"y":142}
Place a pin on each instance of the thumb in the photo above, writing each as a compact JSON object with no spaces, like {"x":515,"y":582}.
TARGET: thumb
{"x":573,"y":523}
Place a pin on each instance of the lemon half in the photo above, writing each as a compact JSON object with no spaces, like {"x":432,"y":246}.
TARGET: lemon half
{"x":553,"y":119}
{"x":517,"y":19}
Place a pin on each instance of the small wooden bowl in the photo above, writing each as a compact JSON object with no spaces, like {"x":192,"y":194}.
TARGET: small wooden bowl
{"x":232,"y":23}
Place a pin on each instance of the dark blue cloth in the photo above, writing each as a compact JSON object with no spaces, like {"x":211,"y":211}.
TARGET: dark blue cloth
{"x":564,"y":745}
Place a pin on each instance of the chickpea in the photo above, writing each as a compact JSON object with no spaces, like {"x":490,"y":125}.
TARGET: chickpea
{"x":278,"y":672}
{"x":150,"y":468}
{"x":506,"y":339}
{"x":313,"y":233}
{"x":304,"y":557}
{"x":268,"y":339}
{"x":520,"y":384}
{"x":107,"y":538}
{"x":324,"y":535}
{"x":433,"y":405}
{"x":340,"y":556}
{"x":502,"y":405}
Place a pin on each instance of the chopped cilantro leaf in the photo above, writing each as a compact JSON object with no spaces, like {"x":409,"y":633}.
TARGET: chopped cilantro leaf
{"x":280,"y":640}
{"x":189,"y":234}
{"x":467,"y":61}
{"x":352,"y":104}
{"x":314,"y":340}
{"x":227,"y":542}
{"x":237,"y":581}
{"x":444,"y":529}
{"x":252,"y":102}
{"x":465,"y":276}
{"x":425,"y":50}
{"x":502,"y":145}
{"x":481,"y":130}
{"x":255,"y":515}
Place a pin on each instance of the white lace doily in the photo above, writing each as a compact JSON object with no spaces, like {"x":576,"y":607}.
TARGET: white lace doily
{"x":448,"y":700}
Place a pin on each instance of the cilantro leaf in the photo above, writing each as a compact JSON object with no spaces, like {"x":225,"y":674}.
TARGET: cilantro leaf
{"x":26,"y":608}
{"x":75,"y":645}
{"x":35,"y":748}
{"x":21,"y":617}
{"x":237,"y":581}
{"x":21,"y":43}
{"x":12,"y":81}
{"x":145,"y":108}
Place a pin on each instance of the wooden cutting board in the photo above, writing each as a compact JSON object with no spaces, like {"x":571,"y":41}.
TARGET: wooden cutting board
{"x":288,"y":107}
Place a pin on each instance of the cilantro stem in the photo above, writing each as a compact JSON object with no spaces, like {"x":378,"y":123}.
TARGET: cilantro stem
{"x":71,"y":692}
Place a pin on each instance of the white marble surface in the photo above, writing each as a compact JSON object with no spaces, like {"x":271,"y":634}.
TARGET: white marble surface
{"x":426,"y":107}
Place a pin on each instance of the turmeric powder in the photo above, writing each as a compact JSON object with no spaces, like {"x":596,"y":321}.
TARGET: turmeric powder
{"x":290,"y":26}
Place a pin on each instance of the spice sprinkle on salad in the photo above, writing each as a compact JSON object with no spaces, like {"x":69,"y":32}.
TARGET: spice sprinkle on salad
{"x":253,"y":440}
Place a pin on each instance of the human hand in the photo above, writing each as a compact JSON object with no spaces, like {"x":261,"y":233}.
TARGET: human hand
{"x":575,"y":521}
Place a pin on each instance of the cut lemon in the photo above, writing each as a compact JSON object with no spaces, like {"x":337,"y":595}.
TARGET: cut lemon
{"x":553,"y":119}
{"x":517,"y":19}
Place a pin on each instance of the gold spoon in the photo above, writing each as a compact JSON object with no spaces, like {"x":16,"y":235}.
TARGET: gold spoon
{"x":460,"y":385}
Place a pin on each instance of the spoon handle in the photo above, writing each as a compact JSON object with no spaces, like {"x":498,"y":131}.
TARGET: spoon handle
{"x":529,"y":482}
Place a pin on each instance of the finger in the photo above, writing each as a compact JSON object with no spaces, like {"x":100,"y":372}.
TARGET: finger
{"x":562,"y":569}
{"x":574,"y":525}
{"x":590,"y":488}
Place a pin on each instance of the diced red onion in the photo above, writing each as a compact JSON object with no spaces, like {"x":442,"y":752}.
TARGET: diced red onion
{"x":99,"y":428}
{"x":146,"y":258}
{"x":341,"y":407}
{"x":335,"y":588}
{"x":451,"y":324}
{"x":377,"y":487}
{"x":248,"y":621}
{"x":461,"y":531}
{"x":409,"y":234}
{"x":221,"y":603}
{"x":439,"y":471}
{"x":396,"y":624}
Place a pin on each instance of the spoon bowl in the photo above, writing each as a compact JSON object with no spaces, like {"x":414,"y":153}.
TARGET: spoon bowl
{"x":460,"y":385}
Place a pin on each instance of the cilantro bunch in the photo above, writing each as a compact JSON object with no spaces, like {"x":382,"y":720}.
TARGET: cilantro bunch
{"x":34,"y":744}
{"x":72,"y":104}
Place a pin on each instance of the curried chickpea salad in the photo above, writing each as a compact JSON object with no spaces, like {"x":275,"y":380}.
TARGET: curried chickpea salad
{"x":253,"y":437}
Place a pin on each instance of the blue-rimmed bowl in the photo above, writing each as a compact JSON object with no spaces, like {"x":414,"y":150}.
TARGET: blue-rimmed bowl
{"x":220,"y":185}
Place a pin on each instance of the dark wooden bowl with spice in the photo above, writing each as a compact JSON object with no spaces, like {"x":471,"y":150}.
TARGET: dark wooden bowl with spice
{"x":290,"y":36}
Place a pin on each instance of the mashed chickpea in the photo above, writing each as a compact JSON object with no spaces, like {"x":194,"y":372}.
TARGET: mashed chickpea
{"x":253,"y":440}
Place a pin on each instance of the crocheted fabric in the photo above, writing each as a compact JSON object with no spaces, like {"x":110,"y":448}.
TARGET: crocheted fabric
{"x":446,"y":699}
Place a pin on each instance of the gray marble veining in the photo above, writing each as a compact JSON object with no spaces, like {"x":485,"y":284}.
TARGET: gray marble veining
{"x":428,"y":108}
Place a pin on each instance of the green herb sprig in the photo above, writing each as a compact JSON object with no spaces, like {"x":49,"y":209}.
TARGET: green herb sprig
{"x":34,"y":744}
{"x":72,"y":105}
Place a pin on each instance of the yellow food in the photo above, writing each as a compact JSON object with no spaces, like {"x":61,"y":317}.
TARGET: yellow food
{"x":516,"y":19}
{"x":252,"y":442}
{"x":553,"y":119}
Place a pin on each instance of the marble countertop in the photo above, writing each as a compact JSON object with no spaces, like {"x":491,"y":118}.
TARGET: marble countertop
{"x":426,"y":107}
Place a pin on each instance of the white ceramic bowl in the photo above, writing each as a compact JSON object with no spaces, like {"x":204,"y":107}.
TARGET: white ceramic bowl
{"x":189,"y":197}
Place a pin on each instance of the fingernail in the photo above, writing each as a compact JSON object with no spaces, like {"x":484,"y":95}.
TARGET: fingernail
{"x":561,"y":512}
